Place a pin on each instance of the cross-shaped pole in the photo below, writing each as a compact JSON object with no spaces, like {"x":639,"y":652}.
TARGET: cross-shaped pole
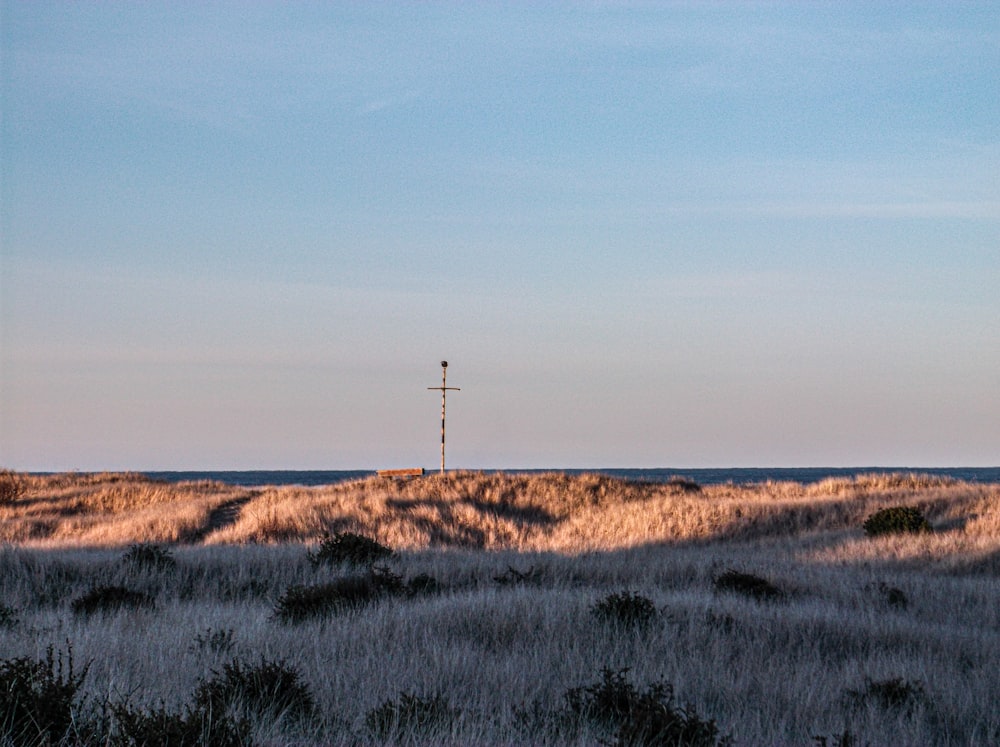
{"x":444,"y":390}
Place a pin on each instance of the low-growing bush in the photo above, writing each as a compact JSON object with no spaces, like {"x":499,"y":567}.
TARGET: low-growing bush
{"x":628,"y":609}
{"x":891,"y":694}
{"x":267,"y":689}
{"x":896,"y":520}
{"x":348,"y":548}
{"x":149,"y":557}
{"x":300,"y":602}
{"x":892,"y":596}
{"x":410,"y":714}
{"x":8,"y":617}
{"x":111,"y":599}
{"x":192,"y":727}
{"x":641,"y":718}
{"x":747,"y":584}
{"x":512,"y":576}
{"x":11,"y":486}
{"x":423,"y":584}
{"x":845,"y":739}
{"x":218,"y":640}
{"x":36,"y":698}
{"x":683,"y":484}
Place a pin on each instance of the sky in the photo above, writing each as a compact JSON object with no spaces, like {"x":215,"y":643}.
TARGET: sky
{"x":680,"y":234}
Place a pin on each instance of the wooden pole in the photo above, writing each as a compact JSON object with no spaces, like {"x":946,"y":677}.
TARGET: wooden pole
{"x":444,"y":390}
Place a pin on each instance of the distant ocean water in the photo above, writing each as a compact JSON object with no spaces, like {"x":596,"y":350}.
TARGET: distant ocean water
{"x":737,"y":475}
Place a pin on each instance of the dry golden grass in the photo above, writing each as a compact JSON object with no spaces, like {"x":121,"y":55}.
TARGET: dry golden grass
{"x":496,"y":511}
{"x":773,"y":673}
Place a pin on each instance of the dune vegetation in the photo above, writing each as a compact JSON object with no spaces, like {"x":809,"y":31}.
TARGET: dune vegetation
{"x":500,"y":609}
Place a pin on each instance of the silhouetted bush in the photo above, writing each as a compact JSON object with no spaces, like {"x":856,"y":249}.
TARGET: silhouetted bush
{"x":844,"y":739}
{"x":641,"y":718}
{"x":408,"y":715}
{"x":192,"y":727}
{"x":8,"y":617}
{"x":896,"y":520}
{"x":512,"y":576}
{"x":748,"y":585}
{"x":11,"y":486}
{"x":264,"y":690}
{"x":300,"y":603}
{"x":151,"y":557}
{"x":218,"y":640}
{"x":628,"y":609}
{"x":111,"y":599}
{"x":683,"y":484}
{"x":350,"y":548}
{"x":892,"y":596}
{"x":36,"y":698}
{"x":423,"y":584}
{"x":891,"y":694}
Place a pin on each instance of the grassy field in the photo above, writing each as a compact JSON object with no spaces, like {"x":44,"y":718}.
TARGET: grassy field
{"x":539,"y":609}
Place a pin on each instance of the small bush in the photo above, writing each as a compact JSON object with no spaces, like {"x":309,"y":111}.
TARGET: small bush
{"x":628,"y":609}
{"x":8,"y":617}
{"x":513,"y":577}
{"x":150,"y":557}
{"x":891,"y":694}
{"x":264,"y":690}
{"x":423,"y":584}
{"x":641,"y":718}
{"x":111,"y":599}
{"x":410,"y":713}
{"x":191,"y":728}
{"x":683,"y":484}
{"x":218,"y":640}
{"x":11,"y":486}
{"x":892,"y":596}
{"x":349,"y":548}
{"x":36,"y":698}
{"x":300,"y":603}
{"x":747,"y":584}
{"x":844,"y":739}
{"x":896,"y":520}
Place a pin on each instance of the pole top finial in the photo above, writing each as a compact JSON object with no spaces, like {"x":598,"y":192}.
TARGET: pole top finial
{"x":444,"y":364}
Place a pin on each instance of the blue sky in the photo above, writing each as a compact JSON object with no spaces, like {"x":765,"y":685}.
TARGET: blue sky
{"x":643,"y":234}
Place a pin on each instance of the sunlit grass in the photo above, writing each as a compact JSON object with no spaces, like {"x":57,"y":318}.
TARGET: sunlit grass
{"x":519,"y":564}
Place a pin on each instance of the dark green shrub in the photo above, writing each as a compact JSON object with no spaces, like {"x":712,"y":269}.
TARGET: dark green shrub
{"x":349,"y":548}
{"x":36,"y":698}
{"x":8,"y":617}
{"x":409,"y":714}
{"x":300,"y":603}
{"x":191,"y":728}
{"x":150,"y":557}
{"x":423,"y":584}
{"x":747,"y":584}
{"x":628,"y":609}
{"x":844,"y":739}
{"x":896,"y":520}
{"x":647,"y":718}
{"x":265,"y":690}
{"x":891,"y":694}
{"x":893,"y":597}
{"x":512,"y":576}
{"x":111,"y":599}
{"x":218,"y":640}
{"x":11,"y":486}
{"x":683,"y":484}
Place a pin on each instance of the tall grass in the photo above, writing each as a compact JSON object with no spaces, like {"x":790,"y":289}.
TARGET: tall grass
{"x":534,"y":512}
{"x":503,"y":635}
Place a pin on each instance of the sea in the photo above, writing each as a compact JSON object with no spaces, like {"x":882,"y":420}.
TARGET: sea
{"x":703,"y":476}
